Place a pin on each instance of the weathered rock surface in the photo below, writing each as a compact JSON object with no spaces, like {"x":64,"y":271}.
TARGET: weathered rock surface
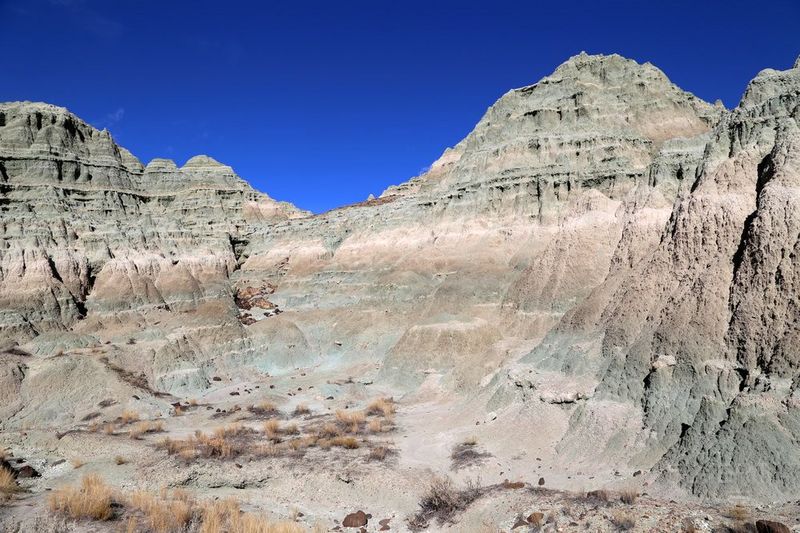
{"x":603,"y":247}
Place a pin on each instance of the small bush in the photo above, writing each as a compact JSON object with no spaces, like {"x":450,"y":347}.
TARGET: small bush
{"x":628,"y":496}
{"x":91,"y":500}
{"x":345,"y":442}
{"x":272,"y":428}
{"x":379,"y":453}
{"x":301,"y":409}
{"x":442,"y":501}
{"x":163,"y":514}
{"x":329,"y":430}
{"x":145,"y":427}
{"x":350,"y":420}
{"x":119,"y":460}
{"x":76,"y":462}
{"x":381,"y":406}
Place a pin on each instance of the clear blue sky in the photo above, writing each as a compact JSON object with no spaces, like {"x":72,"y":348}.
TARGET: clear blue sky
{"x":322,"y":103}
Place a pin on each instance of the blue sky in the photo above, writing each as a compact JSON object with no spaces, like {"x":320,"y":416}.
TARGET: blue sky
{"x":323,"y":103}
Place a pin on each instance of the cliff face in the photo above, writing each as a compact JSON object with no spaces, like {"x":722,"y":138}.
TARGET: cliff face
{"x":602,"y":245}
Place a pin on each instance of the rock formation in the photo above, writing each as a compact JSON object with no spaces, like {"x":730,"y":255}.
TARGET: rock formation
{"x":603,"y":248}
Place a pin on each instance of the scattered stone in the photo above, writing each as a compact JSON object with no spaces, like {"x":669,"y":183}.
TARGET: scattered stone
{"x":535,"y":518}
{"x":357,"y":519}
{"x":541,"y":481}
{"x":27,"y":471}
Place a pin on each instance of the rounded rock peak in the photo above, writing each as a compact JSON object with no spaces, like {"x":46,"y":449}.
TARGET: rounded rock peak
{"x":202,"y":161}
{"x":161,"y":164}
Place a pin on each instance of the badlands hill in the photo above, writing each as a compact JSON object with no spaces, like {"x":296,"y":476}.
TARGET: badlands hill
{"x":598,"y":285}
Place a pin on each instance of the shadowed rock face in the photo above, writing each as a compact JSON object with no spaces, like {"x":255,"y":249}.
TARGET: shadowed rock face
{"x":602,"y":241}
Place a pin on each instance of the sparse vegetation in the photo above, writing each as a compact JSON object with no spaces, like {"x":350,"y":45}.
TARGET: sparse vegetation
{"x":119,"y":460}
{"x":76,"y":462}
{"x":92,"y":499}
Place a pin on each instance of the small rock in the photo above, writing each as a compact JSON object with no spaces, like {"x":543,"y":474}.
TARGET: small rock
{"x":770,"y":526}
{"x":637,"y":473}
{"x":27,"y":471}
{"x":216,"y":378}
{"x":234,"y":393}
{"x":357,"y":519}
{"x":541,"y":481}
{"x":536,"y":519}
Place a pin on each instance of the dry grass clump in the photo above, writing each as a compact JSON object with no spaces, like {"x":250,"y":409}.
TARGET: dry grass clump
{"x":623,"y":520}
{"x":119,"y":460}
{"x":350,"y":421}
{"x":128,"y":416}
{"x":375,"y":425}
{"x":628,"y":496}
{"x":381,"y":406}
{"x":345,"y":442}
{"x":145,"y":427}
{"x":231,"y":430}
{"x":163,"y":514}
{"x":328,"y":431}
{"x":109,"y":429}
{"x":92,"y":499}
{"x":76,"y":462}
{"x":265,"y":409}
{"x":442,"y":501}
{"x":600,"y":495}
{"x":8,"y":485}
{"x":272,"y":428}
{"x":301,"y":409}
{"x":378,"y":453}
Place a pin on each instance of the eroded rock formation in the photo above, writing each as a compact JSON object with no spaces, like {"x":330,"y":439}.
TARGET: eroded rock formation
{"x":603,"y":246}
